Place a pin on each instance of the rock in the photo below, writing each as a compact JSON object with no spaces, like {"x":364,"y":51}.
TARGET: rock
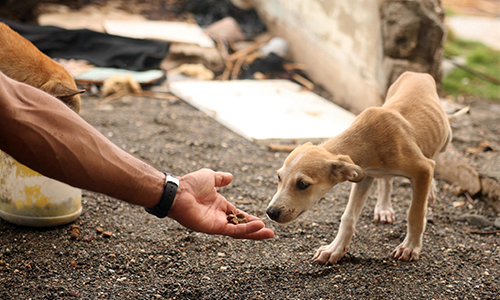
{"x":455,"y":167}
{"x":491,"y":191}
{"x":276,"y":45}
{"x":226,"y":29}
{"x":473,"y":219}
{"x":198,"y":71}
{"x":405,"y":24}
{"x":497,"y":223}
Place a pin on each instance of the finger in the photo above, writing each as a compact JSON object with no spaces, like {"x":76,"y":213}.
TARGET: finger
{"x":263,"y":234}
{"x":253,"y":230}
{"x":222,"y":178}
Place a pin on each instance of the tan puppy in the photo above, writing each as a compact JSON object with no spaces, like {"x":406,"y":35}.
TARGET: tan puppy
{"x":22,"y":61}
{"x":398,"y":139}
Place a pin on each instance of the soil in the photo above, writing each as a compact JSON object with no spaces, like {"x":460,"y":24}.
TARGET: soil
{"x":124,"y":253}
{"x":149,"y":258}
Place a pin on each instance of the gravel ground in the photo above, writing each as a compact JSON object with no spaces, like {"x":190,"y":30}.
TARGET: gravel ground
{"x":149,"y":258}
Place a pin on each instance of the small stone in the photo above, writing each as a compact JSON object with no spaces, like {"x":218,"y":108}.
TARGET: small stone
{"x":2,"y":263}
{"x":106,"y":234}
{"x":99,"y":229}
{"x":456,"y":190}
{"x":88,"y":238}
{"x":474,"y":219}
{"x":73,"y":263}
{"x":497,"y":222}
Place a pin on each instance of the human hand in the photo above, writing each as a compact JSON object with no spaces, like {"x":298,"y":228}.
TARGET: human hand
{"x":198,"y":206}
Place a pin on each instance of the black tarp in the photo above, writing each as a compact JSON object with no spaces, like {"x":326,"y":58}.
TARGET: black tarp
{"x":100,"y":49}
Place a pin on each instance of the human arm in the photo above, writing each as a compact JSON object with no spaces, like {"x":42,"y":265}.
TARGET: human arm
{"x":44,"y":134}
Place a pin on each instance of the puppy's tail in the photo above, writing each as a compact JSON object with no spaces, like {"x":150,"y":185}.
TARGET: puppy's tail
{"x":459,"y":113}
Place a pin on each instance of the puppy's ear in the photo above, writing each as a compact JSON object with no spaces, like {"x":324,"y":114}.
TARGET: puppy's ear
{"x":307,"y":144}
{"x":343,"y":171}
{"x":59,"y":90}
{"x":65,"y":94}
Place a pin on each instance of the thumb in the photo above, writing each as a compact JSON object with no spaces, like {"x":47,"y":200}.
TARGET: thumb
{"x":222,"y":178}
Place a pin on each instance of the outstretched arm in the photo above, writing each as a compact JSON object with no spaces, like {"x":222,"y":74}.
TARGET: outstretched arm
{"x":44,"y":134}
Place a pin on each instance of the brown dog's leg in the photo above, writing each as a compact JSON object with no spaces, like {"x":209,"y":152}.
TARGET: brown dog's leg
{"x":432,"y":193}
{"x":332,"y":253}
{"x":421,"y":181}
{"x":383,"y":209}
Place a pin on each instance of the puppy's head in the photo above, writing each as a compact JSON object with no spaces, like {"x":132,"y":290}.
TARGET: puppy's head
{"x":66,"y":92}
{"x":308,"y":173}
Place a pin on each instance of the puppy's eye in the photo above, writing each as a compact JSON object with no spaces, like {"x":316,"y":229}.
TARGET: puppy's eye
{"x":301,"y":185}
{"x":279,"y":178}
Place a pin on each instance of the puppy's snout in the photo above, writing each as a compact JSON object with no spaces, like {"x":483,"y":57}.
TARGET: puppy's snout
{"x":273,"y":213}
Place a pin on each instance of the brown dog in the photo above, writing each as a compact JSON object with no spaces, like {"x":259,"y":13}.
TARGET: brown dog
{"x":22,"y":61}
{"x":401,"y":138}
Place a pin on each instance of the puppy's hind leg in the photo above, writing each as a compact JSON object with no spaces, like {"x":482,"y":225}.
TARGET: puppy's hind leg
{"x":421,"y":181}
{"x":432,"y":192}
{"x":383,"y":209}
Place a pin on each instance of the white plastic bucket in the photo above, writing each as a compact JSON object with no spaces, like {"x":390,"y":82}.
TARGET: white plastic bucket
{"x":30,"y":199}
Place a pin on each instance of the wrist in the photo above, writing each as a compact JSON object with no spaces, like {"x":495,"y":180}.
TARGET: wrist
{"x":170,"y":188}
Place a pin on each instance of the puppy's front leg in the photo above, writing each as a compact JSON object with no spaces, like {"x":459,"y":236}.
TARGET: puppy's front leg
{"x":332,"y":253}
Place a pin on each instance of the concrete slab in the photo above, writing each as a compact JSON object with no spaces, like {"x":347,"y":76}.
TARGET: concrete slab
{"x":267,"y":109}
{"x":179,"y":32}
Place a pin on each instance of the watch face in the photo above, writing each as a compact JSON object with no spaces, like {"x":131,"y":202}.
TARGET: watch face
{"x":171,"y":178}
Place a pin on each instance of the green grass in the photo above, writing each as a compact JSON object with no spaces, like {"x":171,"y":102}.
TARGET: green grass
{"x":480,"y":58}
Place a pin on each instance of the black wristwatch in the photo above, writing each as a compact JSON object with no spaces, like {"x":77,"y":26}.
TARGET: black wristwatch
{"x":162,"y":209}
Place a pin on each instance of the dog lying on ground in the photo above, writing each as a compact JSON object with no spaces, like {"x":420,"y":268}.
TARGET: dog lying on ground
{"x":398,"y":139}
{"x":22,"y":61}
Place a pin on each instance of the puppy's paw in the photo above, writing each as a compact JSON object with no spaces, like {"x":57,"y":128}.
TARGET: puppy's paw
{"x":407,"y":252}
{"x":385,"y":215}
{"x":329,"y":255}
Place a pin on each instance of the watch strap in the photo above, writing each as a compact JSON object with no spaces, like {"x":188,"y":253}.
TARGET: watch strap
{"x":162,"y":209}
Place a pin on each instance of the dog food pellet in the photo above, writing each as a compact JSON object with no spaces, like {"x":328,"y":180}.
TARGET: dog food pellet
{"x":236,"y":218}
{"x":75,"y":231}
{"x":2,"y":263}
{"x":106,"y":234}
{"x":99,"y":229}
{"x":232,"y":219}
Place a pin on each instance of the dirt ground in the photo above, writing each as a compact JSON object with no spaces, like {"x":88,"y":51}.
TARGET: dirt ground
{"x":150,"y":258}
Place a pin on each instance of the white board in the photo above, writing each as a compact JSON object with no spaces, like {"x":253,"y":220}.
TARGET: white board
{"x":179,"y":32}
{"x":265,"y":109}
